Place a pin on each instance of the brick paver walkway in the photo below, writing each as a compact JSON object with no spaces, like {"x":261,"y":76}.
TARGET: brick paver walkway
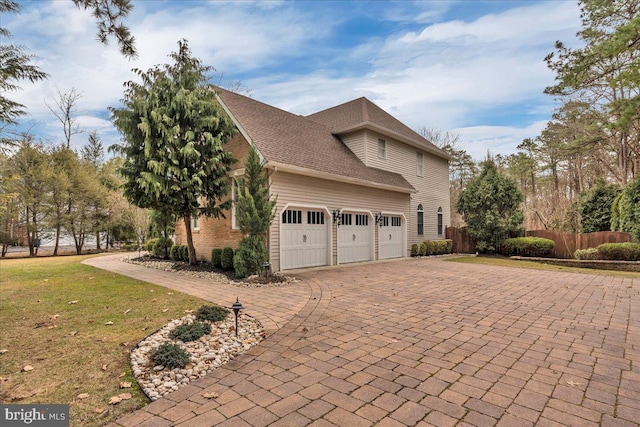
{"x":423,"y":342}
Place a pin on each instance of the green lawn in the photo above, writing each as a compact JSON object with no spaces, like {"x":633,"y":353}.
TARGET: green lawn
{"x":70,"y":346}
{"x":506,"y":262}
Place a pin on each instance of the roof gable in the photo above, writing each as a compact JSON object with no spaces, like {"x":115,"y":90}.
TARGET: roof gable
{"x":362,"y":113}
{"x":288,"y":139}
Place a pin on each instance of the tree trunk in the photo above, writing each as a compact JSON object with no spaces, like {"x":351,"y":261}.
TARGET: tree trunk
{"x":55,"y":249}
{"x":36,"y":240}
{"x":98,"y":240}
{"x":192,"y":249}
{"x":30,"y":239}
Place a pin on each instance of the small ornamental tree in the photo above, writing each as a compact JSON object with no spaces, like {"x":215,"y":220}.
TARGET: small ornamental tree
{"x":595,"y":207}
{"x":255,"y":213}
{"x":174,"y":134}
{"x":490,"y":206}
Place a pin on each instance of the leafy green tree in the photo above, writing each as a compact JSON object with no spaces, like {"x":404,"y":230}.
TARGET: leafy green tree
{"x":174,"y":135}
{"x":604,"y":72}
{"x":625,"y":211}
{"x":595,"y":207}
{"x":93,"y":150}
{"x":255,"y":213}
{"x":162,"y":224}
{"x":61,"y":161}
{"x":30,"y":170}
{"x":9,"y":207}
{"x":110,"y":16}
{"x":490,"y":205}
{"x":15,"y":66}
{"x":86,"y":199}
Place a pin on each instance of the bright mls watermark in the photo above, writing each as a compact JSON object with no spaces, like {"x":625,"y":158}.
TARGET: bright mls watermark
{"x":34,"y":415}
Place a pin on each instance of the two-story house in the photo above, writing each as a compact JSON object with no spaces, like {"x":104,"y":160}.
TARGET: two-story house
{"x":353,"y":184}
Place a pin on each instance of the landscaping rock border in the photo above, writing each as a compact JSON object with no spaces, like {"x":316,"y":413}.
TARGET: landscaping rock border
{"x":182,"y":268}
{"x":206,"y":353}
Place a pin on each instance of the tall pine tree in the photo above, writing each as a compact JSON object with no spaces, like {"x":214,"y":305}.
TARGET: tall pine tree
{"x":174,"y":134}
{"x":255,"y":213}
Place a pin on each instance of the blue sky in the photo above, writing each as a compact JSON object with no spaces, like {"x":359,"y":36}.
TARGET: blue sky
{"x":474,"y":68}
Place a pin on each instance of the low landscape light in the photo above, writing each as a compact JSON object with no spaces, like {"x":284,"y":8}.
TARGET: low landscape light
{"x":236,"y":307}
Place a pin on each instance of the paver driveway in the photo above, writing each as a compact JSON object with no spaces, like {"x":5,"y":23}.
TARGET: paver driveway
{"x":426,"y":342}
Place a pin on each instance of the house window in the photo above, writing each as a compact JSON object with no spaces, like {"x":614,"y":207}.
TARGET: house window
{"x":396,"y":221}
{"x":234,"y":208}
{"x":362,"y":219}
{"x":315,"y":217}
{"x":385,"y":221}
{"x":382,"y":148}
{"x":440,"y":221}
{"x":420,"y":220}
{"x":195,"y":222}
{"x":419,"y":164}
{"x":291,"y":216}
{"x":345,"y":219}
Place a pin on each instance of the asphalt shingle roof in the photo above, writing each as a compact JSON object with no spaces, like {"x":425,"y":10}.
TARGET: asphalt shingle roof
{"x":360,"y":112}
{"x":288,"y":139}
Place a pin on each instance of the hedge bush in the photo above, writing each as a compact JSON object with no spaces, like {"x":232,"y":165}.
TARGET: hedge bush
{"x":226,"y":259}
{"x":212,"y":313}
{"x":190,"y":331}
{"x":587,"y":254}
{"x":424,"y":248}
{"x":216,"y":257}
{"x":250,"y":256}
{"x":160,"y":245}
{"x":415,"y":250}
{"x":150,"y":244}
{"x":627,"y":251}
{"x":180,"y":253}
{"x":184,"y":253}
{"x":528,"y":246}
{"x":175,"y":252}
{"x":436,"y":247}
{"x":170,"y":356}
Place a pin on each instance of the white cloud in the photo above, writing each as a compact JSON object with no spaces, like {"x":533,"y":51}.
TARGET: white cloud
{"x":445,"y":75}
{"x":450,"y":75}
{"x":478,"y":140}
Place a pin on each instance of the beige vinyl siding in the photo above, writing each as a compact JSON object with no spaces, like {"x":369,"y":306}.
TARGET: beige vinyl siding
{"x":298,"y":189}
{"x":356,"y":143}
{"x":432,"y":187}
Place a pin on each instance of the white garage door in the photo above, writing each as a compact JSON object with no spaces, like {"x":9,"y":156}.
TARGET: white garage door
{"x":354,"y":238}
{"x":303,"y":239}
{"x":390,"y":237}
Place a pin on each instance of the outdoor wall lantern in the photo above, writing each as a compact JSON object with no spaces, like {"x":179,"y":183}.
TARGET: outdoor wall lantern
{"x":379,"y":218}
{"x":337,"y":217}
{"x":236,"y":307}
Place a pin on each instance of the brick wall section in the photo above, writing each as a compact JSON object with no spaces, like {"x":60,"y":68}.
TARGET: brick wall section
{"x":217,"y":233}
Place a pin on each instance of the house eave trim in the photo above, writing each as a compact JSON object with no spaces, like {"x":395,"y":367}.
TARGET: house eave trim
{"x":395,"y":135}
{"x":281,"y":167}
{"x":240,"y":128}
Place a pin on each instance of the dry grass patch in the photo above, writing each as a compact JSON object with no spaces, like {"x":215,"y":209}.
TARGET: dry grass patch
{"x":75,"y":325}
{"x":506,"y":262}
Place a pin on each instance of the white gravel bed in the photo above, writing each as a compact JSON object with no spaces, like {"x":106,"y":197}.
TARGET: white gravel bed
{"x":249,"y":282}
{"x":207,"y":353}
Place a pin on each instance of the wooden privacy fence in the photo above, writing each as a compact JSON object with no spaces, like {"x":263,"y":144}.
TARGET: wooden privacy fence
{"x":565,"y":243}
{"x":461,"y":242}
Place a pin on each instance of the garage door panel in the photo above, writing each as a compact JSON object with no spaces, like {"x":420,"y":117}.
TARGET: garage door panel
{"x":304,"y":242}
{"x":354,"y":239}
{"x":390,"y":238}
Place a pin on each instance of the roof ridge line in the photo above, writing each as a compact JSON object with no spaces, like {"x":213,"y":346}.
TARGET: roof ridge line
{"x":299,"y":116}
